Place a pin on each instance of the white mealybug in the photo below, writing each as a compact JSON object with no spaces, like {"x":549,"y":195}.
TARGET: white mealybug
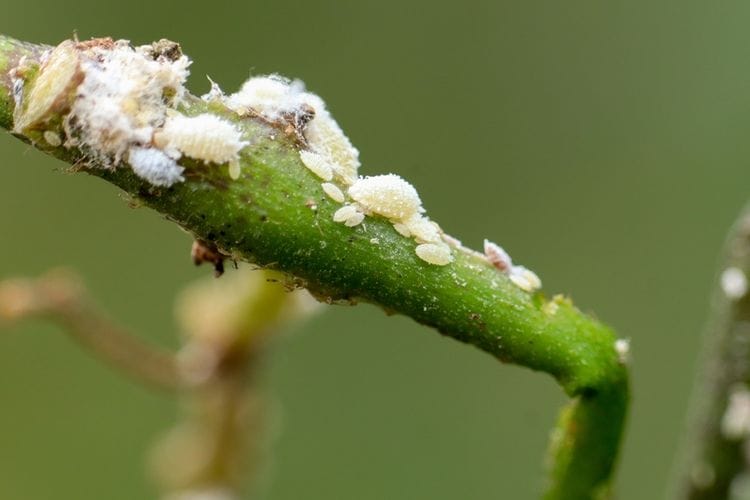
{"x":622,"y":348}
{"x":402,"y":229}
{"x":317,"y":164}
{"x":497,"y":256}
{"x":204,"y":137}
{"x":734,"y":283}
{"x":450,"y":240}
{"x":155,"y":166}
{"x":525,"y":279}
{"x":123,"y":98}
{"x":276,"y":99}
{"x":52,"y":138}
{"x":387,"y":195}
{"x":333,"y":192}
{"x":551,"y":307}
{"x":735,"y":424}
{"x":234,"y":170}
{"x":434,"y":253}
{"x":324,"y":136}
{"x":355,"y":219}
{"x":423,"y":229}
{"x":349,"y":215}
{"x":270,"y":96}
{"x":344,"y":213}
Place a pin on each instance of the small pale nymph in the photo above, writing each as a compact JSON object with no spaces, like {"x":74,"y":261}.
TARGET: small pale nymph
{"x":497,"y":256}
{"x":333,"y":192}
{"x":317,"y":164}
{"x":434,"y":253}
{"x":349,"y":215}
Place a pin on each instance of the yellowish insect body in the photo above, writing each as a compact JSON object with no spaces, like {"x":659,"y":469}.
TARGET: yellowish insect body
{"x":525,"y":279}
{"x":205,"y":137}
{"x":423,"y":229}
{"x":234,"y":170}
{"x":388,"y":195}
{"x":434,"y":253}
{"x":52,"y":138}
{"x":497,"y":256}
{"x":317,"y":164}
{"x":333,"y":192}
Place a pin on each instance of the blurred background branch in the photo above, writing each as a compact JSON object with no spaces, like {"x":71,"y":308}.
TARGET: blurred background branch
{"x":211,"y":451}
{"x":217,"y":446}
{"x":60,"y":297}
{"x":714,"y":462}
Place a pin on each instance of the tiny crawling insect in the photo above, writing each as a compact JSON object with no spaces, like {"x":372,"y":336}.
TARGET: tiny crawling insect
{"x":234,"y":170}
{"x":622,"y":348}
{"x":423,"y":229}
{"x":297,"y":121}
{"x":303,"y":116}
{"x":202,"y":251}
{"x":525,"y":279}
{"x":734,"y":283}
{"x":317,"y":164}
{"x":52,"y":138}
{"x":349,"y":215}
{"x":333,"y":192}
{"x":497,"y":256}
{"x":450,"y":240}
{"x":402,"y":229}
{"x":550,"y":308}
{"x":355,"y":219}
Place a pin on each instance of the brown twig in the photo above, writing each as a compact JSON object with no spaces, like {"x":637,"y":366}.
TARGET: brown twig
{"x":60,"y":297}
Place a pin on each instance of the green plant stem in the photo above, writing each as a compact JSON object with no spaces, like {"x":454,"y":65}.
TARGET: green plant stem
{"x":711,"y":460}
{"x":277,"y":216}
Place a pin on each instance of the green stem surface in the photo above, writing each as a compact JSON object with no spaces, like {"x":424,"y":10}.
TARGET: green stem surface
{"x":277,"y":216}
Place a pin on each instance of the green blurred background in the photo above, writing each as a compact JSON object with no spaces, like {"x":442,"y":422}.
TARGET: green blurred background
{"x":602,"y":143}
